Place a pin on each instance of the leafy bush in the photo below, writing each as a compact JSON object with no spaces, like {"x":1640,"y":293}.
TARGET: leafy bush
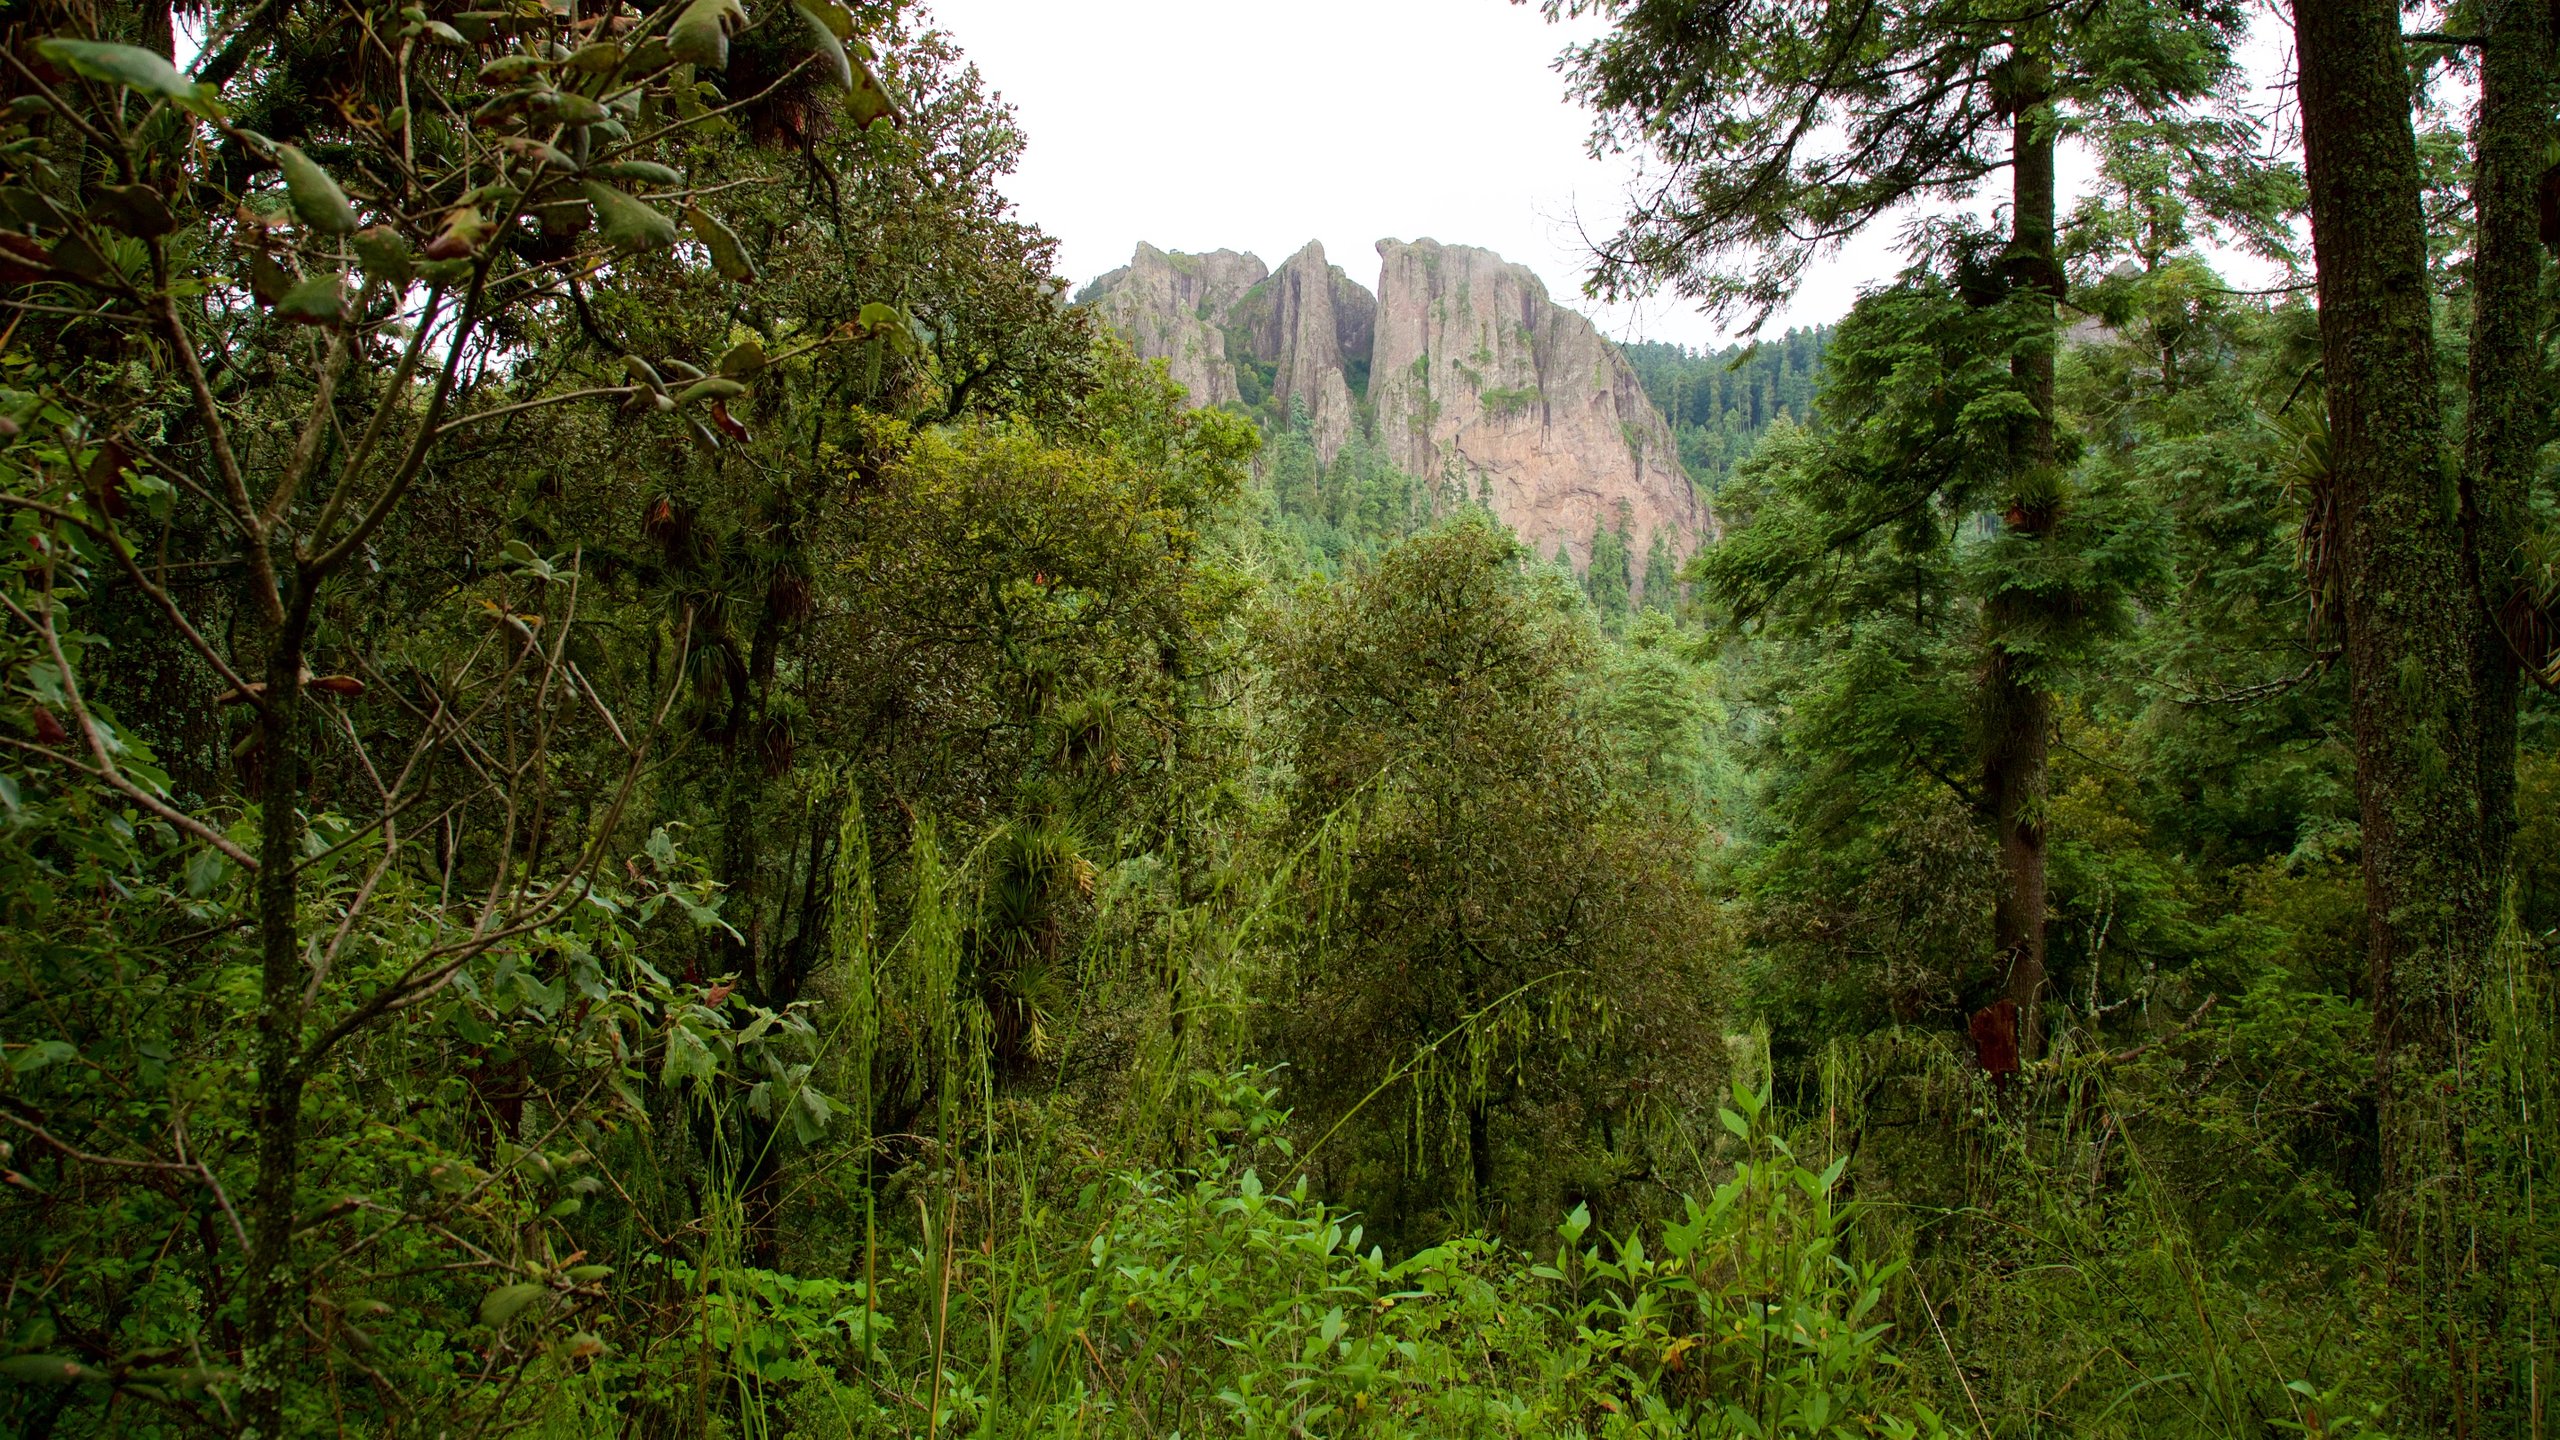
{"x":1207,"y":1302}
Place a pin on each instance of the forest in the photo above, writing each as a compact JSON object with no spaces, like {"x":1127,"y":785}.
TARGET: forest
{"x":646,"y":790}
{"x":1719,"y":404}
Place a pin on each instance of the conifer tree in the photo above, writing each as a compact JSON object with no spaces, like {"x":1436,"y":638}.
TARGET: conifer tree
{"x":2412,"y":668}
{"x":1607,"y":581}
{"x":1291,"y":468}
{"x":1661,"y":573}
{"x":1784,"y":130}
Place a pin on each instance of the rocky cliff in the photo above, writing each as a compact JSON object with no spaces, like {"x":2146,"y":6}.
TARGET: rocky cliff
{"x":1467,"y":374}
{"x":1175,"y":308}
{"x":1479,"y":376}
{"x":1314,"y":327}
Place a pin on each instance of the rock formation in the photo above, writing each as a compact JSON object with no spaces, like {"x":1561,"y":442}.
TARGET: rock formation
{"x":1175,"y":307}
{"x":1479,"y":377}
{"x":1472,"y":378}
{"x":1313,"y":326}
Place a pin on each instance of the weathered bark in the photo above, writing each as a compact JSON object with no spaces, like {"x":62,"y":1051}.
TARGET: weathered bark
{"x":2017,"y":709}
{"x":2411,"y":674}
{"x":2509,"y":390}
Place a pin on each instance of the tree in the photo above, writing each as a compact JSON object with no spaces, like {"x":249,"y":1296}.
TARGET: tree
{"x":1861,"y":556}
{"x":308,"y":318}
{"x":1782,"y":134}
{"x":2413,"y":678}
{"x":1511,"y":947}
{"x":2509,"y":381}
{"x":1609,"y":579}
{"x":1661,"y":572}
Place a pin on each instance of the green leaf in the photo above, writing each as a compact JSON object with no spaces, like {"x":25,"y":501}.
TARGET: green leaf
{"x":134,"y":209}
{"x":744,"y":358}
{"x":643,"y":373}
{"x":832,"y":14}
{"x":637,"y":172}
{"x":509,"y":70}
{"x":27,"y":207}
{"x":561,"y":217}
{"x":384,"y":255}
{"x":714,"y":389}
{"x":31,"y":1058}
{"x":506,"y":1302}
{"x":267,"y":279}
{"x":133,"y":68}
{"x":835,"y":68}
{"x":628,"y":223}
{"x":601,"y":58}
{"x":810,"y":1114}
{"x":75,"y":256}
{"x":541,"y":152}
{"x":869,"y":100}
{"x":316,"y":300}
{"x":316,"y":197}
{"x":43,"y":1369}
{"x":888,"y":323}
{"x":727,"y":255}
{"x":700,"y":35}
{"x":561,"y":107}
{"x":205,"y":869}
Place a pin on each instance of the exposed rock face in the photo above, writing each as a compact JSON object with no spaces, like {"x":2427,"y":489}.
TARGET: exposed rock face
{"x":1475,"y":379}
{"x":1174,"y":308}
{"x":1479,"y":378}
{"x":1313,"y":325}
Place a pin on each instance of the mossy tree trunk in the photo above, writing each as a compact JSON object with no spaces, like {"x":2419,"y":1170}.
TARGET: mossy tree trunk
{"x":2509,"y":389}
{"x":2412,"y":675}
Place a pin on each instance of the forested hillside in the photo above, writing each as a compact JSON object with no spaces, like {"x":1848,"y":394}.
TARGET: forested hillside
{"x":1720,"y":403}
{"x":647,"y":791}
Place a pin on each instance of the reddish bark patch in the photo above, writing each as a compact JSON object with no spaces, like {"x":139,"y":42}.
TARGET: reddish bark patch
{"x":1994,"y":1029}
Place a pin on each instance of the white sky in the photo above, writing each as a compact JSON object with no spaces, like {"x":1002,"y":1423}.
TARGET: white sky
{"x":1200,"y":124}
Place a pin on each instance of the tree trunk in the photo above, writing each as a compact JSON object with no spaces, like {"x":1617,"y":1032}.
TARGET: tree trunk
{"x":2017,"y":710}
{"x":2507,"y":383}
{"x":271,"y":1281}
{"x":2409,"y":662}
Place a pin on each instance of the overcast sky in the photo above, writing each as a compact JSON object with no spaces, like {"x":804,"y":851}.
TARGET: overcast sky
{"x":1200,"y":124}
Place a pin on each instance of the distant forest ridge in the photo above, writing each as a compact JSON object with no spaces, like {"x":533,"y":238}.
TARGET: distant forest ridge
{"x":1719,"y":402}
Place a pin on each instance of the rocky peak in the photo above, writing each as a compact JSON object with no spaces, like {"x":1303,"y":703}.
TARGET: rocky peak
{"x":1174,"y":307}
{"x":1479,"y":379}
{"x":1313,"y":326}
{"x":1471,"y":376}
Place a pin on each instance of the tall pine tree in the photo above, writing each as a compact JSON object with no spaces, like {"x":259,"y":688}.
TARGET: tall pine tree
{"x":1783,"y":130}
{"x":2414,"y":694}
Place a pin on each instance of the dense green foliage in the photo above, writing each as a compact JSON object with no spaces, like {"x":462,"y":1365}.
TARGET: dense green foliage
{"x":643,"y":792}
{"x":1720,"y":402}
{"x":1331,"y":514}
